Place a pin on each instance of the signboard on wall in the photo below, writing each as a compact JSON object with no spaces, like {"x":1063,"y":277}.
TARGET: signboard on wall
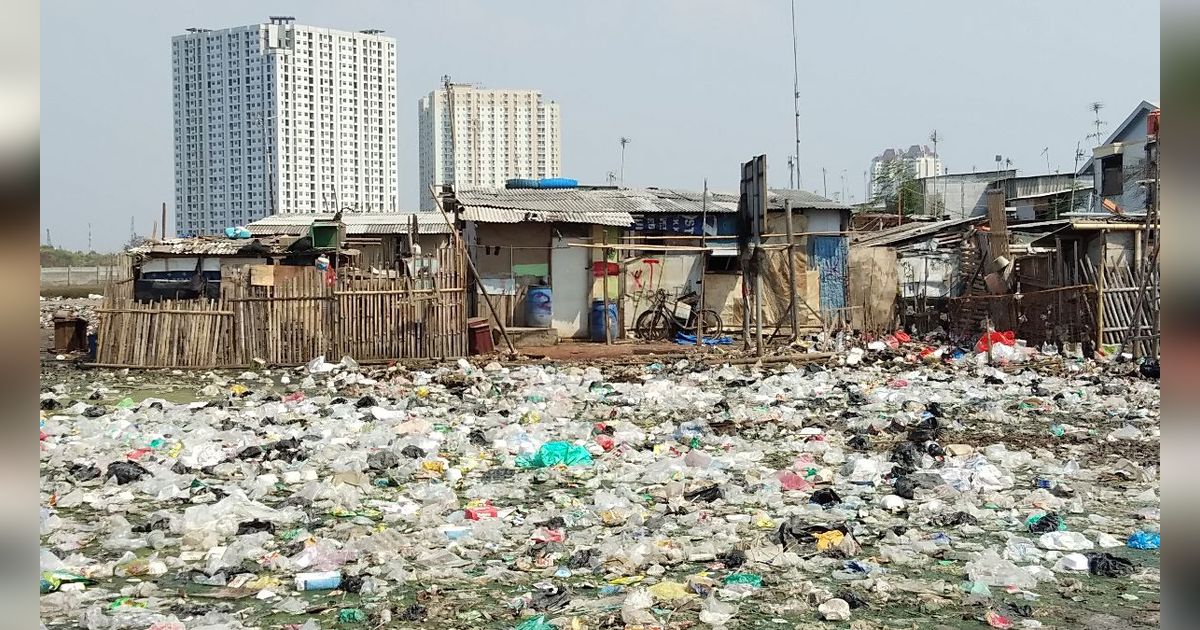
{"x":675,"y":223}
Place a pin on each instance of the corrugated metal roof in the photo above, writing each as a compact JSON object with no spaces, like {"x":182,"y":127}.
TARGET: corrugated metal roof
{"x":486,"y":214}
{"x":801,"y":199}
{"x":910,"y":231}
{"x":211,"y":246}
{"x":357,"y":223}
{"x":611,"y":206}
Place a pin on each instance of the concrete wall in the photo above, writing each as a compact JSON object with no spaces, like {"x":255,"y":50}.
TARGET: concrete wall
{"x":673,"y":272}
{"x":513,"y":237}
{"x":1133,"y":152}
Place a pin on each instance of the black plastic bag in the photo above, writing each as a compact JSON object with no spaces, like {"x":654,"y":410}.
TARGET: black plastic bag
{"x":732,"y":559}
{"x":126,"y":472}
{"x":382,"y":460}
{"x":364,"y":402}
{"x":1047,"y":523}
{"x":412,"y":452}
{"x":708,"y":495}
{"x":825,"y":496}
{"x":903,"y":487}
{"x":255,"y":526}
{"x":1108,"y":565}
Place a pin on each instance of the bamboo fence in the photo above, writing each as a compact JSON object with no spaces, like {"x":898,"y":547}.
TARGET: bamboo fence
{"x":288,"y":315}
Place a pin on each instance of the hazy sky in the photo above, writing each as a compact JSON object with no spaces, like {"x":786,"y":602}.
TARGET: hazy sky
{"x":698,"y":85}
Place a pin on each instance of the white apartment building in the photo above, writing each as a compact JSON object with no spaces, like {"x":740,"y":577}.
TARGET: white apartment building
{"x":920,"y":160}
{"x":281,"y":118}
{"x":493,"y":136}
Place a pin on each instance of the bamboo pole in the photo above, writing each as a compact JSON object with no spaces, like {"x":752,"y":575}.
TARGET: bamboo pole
{"x":604,"y":319}
{"x":791,"y":254}
{"x":1100,"y":290}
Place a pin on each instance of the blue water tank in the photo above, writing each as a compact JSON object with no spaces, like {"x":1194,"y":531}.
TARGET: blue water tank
{"x":545,"y":182}
{"x":521,"y":183}
{"x":539,"y":309}
{"x":558,"y":182}
{"x":597,"y":320}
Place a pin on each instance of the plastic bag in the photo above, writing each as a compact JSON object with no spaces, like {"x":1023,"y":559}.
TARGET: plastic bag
{"x":556,"y":454}
{"x":994,"y":338}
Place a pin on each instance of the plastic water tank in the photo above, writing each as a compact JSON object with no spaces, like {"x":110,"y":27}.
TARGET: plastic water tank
{"x":539,"y":309}
{"x":597,"y":320}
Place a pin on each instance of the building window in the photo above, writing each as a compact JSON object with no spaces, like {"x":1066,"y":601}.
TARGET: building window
{"x":1112,"y":176}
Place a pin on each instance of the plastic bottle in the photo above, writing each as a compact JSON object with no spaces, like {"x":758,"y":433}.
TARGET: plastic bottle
{"x":318,"y":581}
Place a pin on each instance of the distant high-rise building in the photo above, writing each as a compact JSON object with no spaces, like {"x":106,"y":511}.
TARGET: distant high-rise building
{"x":281,"y":118}
{"x":920,"y":161}
{"x":493,"y":136}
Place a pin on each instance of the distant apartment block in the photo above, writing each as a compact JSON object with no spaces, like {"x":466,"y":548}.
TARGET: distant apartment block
{"x":920,"y":160}
{"x":492,"y":136}
{"x":281,"y":118}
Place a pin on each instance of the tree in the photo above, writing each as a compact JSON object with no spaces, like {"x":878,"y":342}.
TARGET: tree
{"x":896,"y":188}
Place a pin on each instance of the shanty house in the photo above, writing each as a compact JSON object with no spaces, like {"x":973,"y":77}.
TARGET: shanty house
{"x":552,"y":242}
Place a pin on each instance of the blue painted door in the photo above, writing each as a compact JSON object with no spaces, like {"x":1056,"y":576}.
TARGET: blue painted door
{"x":828,"y":255}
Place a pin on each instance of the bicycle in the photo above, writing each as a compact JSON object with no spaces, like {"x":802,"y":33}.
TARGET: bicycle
{"x":659,"y":323}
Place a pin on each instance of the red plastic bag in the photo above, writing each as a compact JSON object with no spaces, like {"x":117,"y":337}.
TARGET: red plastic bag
{"x":1008,"y":338}
{"x":605,"y":441}
{"x":902,"y":336}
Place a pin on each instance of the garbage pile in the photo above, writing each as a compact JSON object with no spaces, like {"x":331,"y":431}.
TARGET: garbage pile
{"x":74,"y":307}
{"x":890,"y":491}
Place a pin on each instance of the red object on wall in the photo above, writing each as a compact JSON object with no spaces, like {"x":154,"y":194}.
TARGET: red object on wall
{"x":598,"y":269}
{"x":1152,"y":123}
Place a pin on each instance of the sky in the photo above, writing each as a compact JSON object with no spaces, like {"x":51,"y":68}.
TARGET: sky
{"x":699,"y":86}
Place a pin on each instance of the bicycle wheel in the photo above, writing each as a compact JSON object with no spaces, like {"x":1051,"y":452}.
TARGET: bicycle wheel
{"x":710,"y":323}
{"x":655,"y":327}
{"x":639,"y":323}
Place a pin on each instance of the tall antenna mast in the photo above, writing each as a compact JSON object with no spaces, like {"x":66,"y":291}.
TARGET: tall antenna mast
{"x":624,"y":141}
{"x":1096,"y":107}
{"x":48,"y":241}
{"x":453,"y":145}
{"x":934,"y":137}
{"x":89,"y":236}
{"x":796,"y":95}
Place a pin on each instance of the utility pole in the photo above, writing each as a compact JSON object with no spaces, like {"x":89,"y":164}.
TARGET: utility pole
{"x":791,"y":161}
{"x":796,"y":95}
{"x":453,"y":136}
{"x":624,"y":141}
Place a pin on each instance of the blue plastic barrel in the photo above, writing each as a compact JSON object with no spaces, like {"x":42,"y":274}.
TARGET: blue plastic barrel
{"x":596,"y":321}
{"x":539,"y":308}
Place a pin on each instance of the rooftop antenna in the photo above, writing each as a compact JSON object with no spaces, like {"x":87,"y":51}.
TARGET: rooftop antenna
{"x":624,"y":141}
{"x":1075,"y":174}
{"x":796,"y":96}
{"x":611,"y":177}
{"x":1096,"y":107}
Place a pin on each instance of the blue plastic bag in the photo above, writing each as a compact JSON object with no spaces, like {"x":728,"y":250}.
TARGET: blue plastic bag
{"x":1144,"y":540}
